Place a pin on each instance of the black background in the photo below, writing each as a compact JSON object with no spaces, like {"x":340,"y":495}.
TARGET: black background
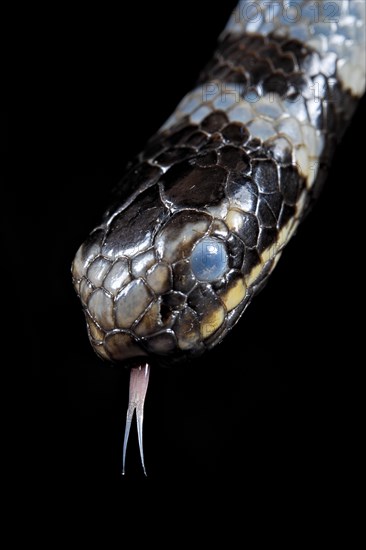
{"x":276,"y":403}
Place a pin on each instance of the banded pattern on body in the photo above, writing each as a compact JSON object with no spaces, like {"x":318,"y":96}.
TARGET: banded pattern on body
{"x":204,"y":212}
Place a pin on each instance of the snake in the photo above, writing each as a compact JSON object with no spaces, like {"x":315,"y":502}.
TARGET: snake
{"x":202,"y":215}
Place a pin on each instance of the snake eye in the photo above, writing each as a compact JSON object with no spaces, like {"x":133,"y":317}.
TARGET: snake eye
{"x":209,"y":259}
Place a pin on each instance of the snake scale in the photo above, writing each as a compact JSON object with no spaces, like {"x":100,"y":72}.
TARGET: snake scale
{"x":202,"y":215}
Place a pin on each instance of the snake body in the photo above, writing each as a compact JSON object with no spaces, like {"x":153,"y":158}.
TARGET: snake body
{"x":203,"y":214}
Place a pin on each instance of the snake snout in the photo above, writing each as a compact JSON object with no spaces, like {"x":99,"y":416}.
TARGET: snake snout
{"x":112,"y":300}
{"x":123,"y":300}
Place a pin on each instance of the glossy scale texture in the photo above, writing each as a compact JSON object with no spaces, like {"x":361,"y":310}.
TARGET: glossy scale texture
{"x":239,"y":163}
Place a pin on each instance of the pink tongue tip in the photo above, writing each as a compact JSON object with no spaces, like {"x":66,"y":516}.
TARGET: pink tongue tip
{"x":139,"y":381}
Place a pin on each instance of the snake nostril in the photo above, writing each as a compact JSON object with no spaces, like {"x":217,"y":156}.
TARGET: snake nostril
{"x":165,"y":313}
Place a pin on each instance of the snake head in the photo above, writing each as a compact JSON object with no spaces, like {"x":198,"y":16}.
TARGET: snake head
{"x":157,"y":279}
